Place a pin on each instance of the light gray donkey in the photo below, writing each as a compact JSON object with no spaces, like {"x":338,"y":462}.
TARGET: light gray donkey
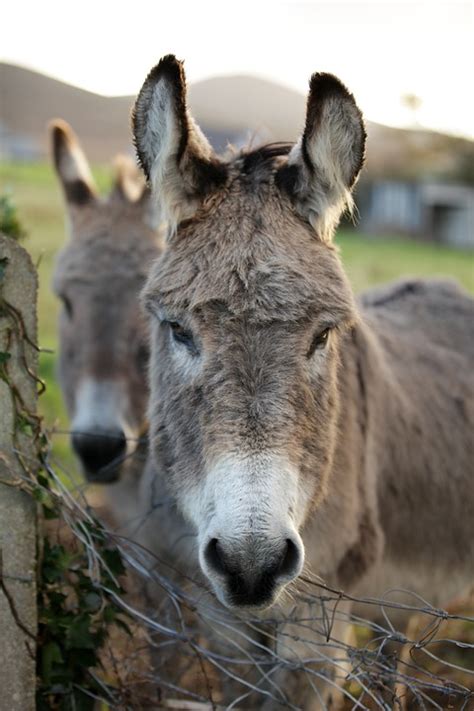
{"x":102,"y":332}
{"x":299,"y":430}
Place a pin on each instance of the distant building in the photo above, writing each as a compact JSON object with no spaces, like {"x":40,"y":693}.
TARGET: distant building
{"x":430,"y":211}
{"x":18,"y":147}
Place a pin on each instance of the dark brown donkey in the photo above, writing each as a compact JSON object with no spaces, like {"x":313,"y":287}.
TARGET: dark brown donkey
{"x":298,"y":428}
{"x":102,"y":332}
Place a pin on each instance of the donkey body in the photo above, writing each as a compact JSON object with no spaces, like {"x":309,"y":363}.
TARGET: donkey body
{"x":420,"y":436}
{"x":103,"y":334}
{"x":299,"y":431}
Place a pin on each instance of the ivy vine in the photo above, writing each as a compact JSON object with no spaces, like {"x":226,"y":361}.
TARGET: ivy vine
{"x":77,"y":600}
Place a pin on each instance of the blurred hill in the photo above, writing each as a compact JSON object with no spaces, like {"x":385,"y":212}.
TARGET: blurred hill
{"x":235,"y":109}
{"x":29,"y":100}
{"x":248,"y":107}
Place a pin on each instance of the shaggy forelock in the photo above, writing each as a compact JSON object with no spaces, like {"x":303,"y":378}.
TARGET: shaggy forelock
{"x":107,"y":240}
{"x":248,"y":249}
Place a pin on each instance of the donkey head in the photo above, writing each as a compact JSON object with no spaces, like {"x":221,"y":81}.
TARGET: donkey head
{"x":249,"y":307}
{"x":103,"y":335}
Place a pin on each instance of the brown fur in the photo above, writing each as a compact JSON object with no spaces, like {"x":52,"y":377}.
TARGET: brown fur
{"x":378,"y":428}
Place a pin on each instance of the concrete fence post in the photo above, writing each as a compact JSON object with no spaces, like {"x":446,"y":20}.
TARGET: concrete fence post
{"x":18,"y":367}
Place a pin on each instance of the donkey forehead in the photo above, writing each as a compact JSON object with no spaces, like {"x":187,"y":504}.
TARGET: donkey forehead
{"x":100,"y":265}
{"x":112,"y":220}
{"x":257,"y":262}
{"x":108,"y":247}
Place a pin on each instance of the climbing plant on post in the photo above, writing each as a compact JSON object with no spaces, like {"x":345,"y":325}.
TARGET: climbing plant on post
{"x":18,"y":394}
{"x":58,"y":599}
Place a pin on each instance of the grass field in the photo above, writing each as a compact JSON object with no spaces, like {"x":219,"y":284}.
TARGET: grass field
{"x":36,"y":193}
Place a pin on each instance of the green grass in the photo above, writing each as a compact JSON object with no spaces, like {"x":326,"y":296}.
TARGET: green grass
{"x":374,"y":260}
{"x":37,"y":195}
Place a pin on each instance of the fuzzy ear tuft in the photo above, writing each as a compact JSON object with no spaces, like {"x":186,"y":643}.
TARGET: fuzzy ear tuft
{"x":159,"y":114}
{"x":129,"y":183}
{"x":173,"y":152}
{"x":71,"y":164}
{"x":324,"y":165}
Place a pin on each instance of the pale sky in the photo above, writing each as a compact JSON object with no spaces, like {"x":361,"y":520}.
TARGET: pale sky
{"x":380,"y":48}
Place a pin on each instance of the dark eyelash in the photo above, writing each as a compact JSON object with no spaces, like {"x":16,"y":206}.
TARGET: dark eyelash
{"x":319,"y":341}
{"x":67,"y":304}
{"x":182,"y":336}
{"x":143,"y":356}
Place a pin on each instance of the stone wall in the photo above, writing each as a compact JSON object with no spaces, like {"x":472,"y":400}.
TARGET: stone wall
{"x":18,"y":366}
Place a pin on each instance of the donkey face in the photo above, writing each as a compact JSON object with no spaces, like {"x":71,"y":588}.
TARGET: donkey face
{"x":249,"y":303}
{"x":103,"y":334}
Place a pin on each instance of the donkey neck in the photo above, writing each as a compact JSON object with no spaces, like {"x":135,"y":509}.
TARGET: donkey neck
{"x":398,"y":388}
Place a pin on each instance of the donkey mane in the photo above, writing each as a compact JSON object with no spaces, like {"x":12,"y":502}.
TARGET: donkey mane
{"x":261,"y":161}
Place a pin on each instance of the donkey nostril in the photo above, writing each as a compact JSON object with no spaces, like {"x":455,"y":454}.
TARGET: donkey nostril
{"x":215,"y":557}
{"x":290,"y":559}
{"x":100,"y":452}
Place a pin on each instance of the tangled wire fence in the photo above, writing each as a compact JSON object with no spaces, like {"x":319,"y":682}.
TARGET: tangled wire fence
{"x":186,"y":651}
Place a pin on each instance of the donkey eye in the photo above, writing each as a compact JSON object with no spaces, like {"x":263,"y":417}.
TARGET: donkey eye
{"x":67,"y":304}
{"x":319,"y":342}
{"x":143,"y":356}
{"x":182,"y":336}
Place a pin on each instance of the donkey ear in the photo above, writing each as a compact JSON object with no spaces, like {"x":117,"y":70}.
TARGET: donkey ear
{"x":324,"y":165}
{"x":129,"y":183}
{"x":71,"y":164}
{"x":176,"y":157}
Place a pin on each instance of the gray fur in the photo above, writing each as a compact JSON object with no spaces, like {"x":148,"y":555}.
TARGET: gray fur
{"x":379,"y":427}
{"x":103,"y":334}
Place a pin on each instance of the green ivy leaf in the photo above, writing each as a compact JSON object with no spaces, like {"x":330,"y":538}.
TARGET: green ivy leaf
{"x":80,"y":702}
{"x":50,"y":513}
{"x":43,"y":481}
{"x":113,"y":561}
{"x":24,"y":425}
{"x":56,"y":560}
{"x":9,"y":222}
{"x":95,"y":529}
{"x":50,"y":655}
{"x":79,"y":634}
{"x":110,"y":613}
{"x":92,"y":601}
{"x":41,"y":496}
{"x":84,"y":657}
{"x":57,"y":598}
